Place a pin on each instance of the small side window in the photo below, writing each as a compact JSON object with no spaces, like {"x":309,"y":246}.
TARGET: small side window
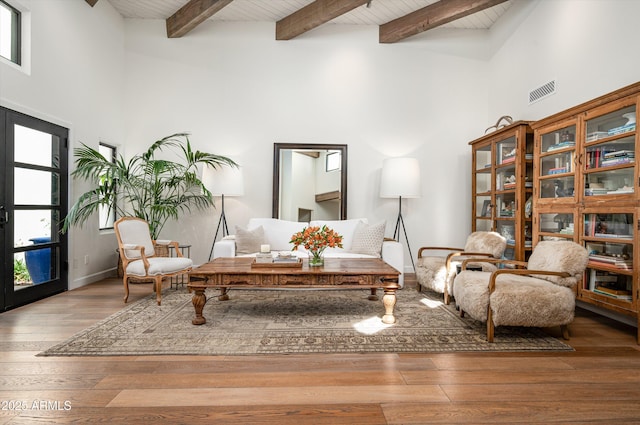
{"x":107,"y":214}
{"x":10,"y":22}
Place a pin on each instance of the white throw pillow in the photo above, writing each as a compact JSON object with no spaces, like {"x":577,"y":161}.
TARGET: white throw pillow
{"x":249,"y":241}
{"x":345,"y":228}
{"x":277,"y":232}
{"x":368,"y":238}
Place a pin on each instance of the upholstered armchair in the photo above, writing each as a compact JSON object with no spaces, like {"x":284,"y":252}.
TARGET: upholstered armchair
{"x":436,"y":272}
{"x":138,"y":254}
{"x":541,"y":293}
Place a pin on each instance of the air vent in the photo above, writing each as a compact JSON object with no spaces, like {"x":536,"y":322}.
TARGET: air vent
{"x":543,"y":91}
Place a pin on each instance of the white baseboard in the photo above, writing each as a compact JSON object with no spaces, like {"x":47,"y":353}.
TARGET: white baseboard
{"x":608,"y":313}
{"x":96,"y":277}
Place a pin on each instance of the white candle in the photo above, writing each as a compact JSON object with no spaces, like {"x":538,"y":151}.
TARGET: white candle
{"x":265,"y":248}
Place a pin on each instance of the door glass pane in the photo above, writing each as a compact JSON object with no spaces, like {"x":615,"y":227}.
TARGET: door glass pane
{"x":30,"y":226}
{"x":35,"y":187}
{"x":36,"y":147}
{"x":35,"y":267}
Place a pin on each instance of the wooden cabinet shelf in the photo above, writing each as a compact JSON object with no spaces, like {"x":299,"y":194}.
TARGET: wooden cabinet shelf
{"x":587,"y":189}
{"x":502,"y":180}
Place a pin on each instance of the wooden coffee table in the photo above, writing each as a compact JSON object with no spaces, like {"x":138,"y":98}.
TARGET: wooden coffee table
{"x":337,"y":273}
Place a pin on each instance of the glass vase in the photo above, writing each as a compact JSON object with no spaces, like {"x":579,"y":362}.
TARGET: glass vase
{"x":316,"y":258}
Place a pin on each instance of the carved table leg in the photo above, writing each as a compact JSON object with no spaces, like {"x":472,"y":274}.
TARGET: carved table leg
{"x":389,"y":301}
{"x":224,"y":296}
{"x":373,"y":296}
{"x":199,"y":300}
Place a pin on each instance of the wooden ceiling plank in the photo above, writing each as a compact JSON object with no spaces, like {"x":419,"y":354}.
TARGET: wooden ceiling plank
{"x":92,"y":2}
{"x":313,"y":15}
{"x":191,"y":15}
{"x":432,"y":16}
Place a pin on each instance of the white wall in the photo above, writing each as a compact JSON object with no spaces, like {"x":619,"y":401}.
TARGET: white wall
{"x":75,"y":80}
{"x":585,"y":45}
{"x":238,"y":91}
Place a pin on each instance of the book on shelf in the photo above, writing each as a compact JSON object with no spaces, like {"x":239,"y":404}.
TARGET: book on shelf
{"x":561,"y":145}
{"x":621,"y":129}
{"x":619,"y":297}
{"x":607,"y":260}
{"x":616,"y":161}
{"x":596,"y":135}
{"x":558,"y":170}
{"x":620,"y":153}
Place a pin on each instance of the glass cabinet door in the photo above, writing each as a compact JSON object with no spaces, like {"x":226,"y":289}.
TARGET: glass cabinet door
{"x":556,"y":167}
{"x":609,"y":154}
{"x":482,"y":176}
{"x":556,"y":225}
{"x":609,"y":239}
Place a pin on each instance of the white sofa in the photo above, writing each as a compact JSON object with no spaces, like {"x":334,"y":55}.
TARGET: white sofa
{"x":277,"y":234}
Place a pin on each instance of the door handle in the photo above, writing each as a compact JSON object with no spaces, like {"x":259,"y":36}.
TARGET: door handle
{"x":4,"y":216}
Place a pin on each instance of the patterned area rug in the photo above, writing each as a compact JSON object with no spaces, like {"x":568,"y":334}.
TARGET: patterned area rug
{"x":293,"y":321}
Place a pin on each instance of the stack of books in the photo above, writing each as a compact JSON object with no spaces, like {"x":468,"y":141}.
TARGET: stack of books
{"x":622,"y":129}
{"x":621,"y":294}
{"x":618,"y":157}
{"x":607,"y":260}
{"x":561,"y":145}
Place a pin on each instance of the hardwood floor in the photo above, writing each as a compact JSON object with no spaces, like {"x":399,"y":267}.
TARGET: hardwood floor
{"x":598,"y":383}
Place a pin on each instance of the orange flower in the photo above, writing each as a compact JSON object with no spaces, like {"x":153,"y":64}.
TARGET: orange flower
{"x":314,"y":238}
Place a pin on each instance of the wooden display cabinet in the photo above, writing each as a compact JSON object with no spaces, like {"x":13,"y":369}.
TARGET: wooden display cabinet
{"x":594,"y":178}
{"x":502,"y":182}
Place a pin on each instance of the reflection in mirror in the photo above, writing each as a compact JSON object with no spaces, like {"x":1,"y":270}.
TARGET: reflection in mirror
{"x":309,"y":181}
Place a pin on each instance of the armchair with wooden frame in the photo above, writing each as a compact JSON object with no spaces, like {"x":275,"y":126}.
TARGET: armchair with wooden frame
{"x":436,"y":272}
{"x":538,"y":293}
{"x":139,"y":257}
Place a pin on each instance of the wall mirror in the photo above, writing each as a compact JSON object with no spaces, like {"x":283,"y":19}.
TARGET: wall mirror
{"x":309,"y":181}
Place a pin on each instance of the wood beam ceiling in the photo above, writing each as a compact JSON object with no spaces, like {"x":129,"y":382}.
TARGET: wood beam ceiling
{"x":191,"y":15}
{"x":430,"y":17}
{"x":312,"y":16}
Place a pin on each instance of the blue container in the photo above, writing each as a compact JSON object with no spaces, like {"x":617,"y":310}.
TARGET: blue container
{"x":39,"y":261}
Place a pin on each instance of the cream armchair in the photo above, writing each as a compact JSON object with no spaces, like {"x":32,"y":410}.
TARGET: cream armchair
{"x":539,"y":294}
{"x":436,"y":272}
{"x":139,"y":259}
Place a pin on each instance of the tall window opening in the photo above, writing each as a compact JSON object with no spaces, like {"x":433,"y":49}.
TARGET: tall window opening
{"x":107,"y":213}
{"x":10,"y":22}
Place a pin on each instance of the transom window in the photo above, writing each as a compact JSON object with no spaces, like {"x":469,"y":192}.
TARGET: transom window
{"x":10,"y":21}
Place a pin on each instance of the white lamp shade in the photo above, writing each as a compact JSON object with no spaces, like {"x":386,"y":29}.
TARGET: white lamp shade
{"x":224,"y":180}
{"x":400,"y":177}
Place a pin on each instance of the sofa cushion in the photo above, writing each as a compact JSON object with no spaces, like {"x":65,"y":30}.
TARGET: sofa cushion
{"x":368,"y":238}
{"x":249,"y":241}
{"x":277,"y":232}
{"x":345,"y":228}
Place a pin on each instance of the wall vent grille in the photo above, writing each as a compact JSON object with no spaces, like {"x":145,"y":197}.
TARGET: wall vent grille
{"x":543,"y":91}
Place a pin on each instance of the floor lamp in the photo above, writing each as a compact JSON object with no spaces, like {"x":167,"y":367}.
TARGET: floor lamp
{"x":400,"y":179}
{"x":223,"y":181}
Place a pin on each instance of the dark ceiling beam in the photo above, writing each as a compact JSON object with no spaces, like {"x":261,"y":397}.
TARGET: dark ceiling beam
{"x":313,"y":15}
{"x":430,"y":17}
{"x":191,"y":15}
{"x":91,"y":2}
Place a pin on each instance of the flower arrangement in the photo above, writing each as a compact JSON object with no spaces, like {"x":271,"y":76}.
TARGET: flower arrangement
{"x":316,"y":239}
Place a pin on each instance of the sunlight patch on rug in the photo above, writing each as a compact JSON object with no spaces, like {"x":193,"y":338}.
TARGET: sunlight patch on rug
{"x":284,"y":322}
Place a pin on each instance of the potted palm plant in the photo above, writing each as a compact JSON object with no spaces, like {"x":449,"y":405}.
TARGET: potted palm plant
{"x":146,"y":186}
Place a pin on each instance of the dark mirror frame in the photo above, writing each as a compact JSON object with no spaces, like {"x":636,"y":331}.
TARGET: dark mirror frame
{"x":277,"y":147}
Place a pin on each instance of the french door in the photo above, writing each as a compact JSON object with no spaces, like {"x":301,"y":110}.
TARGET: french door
{"x":33,"y":201}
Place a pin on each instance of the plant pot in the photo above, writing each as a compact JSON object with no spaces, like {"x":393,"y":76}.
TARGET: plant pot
{"x":39,"y":261}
